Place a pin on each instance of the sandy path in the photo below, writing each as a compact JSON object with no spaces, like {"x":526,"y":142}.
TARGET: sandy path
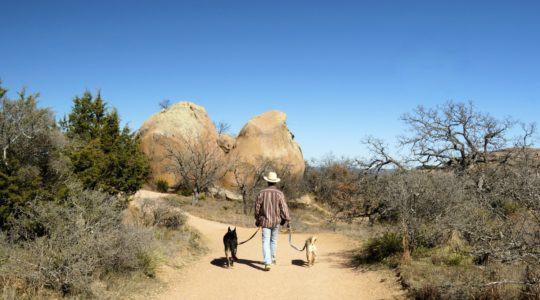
{"x":330,"y":278}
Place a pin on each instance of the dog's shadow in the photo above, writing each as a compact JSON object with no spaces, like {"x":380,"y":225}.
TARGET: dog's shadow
{"x":222,"y":263}
{"x":299,"y":263}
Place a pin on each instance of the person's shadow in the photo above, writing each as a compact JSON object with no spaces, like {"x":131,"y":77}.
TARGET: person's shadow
{"x":222,"y":263}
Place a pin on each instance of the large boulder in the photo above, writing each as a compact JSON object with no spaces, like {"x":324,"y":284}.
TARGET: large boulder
{"x":226,"y":142}
{"x":173,"y":128}
{"x":266,"y":138}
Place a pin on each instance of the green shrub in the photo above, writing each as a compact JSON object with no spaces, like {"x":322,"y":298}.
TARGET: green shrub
{"x":457,"y":259}
{"x":447,"y":256}
{"x":509,"y":207}
{"x":162,"y":185}
{"x":149,"y":262}
{"x":505,"y":206}
{"x":185,"y":191}
{"x":381,"y":248}
{"x":422,"y":251}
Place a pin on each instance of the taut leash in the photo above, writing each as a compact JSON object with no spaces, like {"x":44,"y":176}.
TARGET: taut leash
{"x":250,"y":237}
{"x":290,"y":241}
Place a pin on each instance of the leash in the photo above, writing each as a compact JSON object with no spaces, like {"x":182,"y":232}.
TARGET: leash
{"x":250,"y":237}
{"x":290,"y":241}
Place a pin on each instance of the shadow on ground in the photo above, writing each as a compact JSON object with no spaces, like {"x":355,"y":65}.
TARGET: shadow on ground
{"x":222,"y":263}
{"x":298,"y":263}
{"x":342,"y":259}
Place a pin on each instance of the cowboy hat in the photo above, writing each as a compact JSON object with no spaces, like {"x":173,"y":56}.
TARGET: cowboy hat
{"x":272,"y":177}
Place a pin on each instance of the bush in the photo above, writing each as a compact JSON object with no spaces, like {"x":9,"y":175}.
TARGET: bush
{"x":170,"y":218}
{"x":185,"y":191}
{"x":380,"y":248}
{"x":451,"y":258}
{"x":149,"y":263}
{"x":505,"y":206}
{"x":83,"y":240}
{"x":427,"y":292}
{"x":162,"y":185}
{"x":162,"y":214}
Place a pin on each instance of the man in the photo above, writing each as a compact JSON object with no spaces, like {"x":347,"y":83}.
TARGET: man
{"x":270,"y":211}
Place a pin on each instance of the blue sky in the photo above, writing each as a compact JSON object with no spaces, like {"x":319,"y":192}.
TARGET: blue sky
{"x":341,"y":70}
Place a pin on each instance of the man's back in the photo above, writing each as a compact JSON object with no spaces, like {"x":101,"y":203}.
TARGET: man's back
{"x":271,"y":207}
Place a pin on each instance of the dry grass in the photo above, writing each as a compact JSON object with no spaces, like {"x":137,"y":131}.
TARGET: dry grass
{"x":304,"y":218}
{"x":173,"y":248}
{"x":426,"y":280}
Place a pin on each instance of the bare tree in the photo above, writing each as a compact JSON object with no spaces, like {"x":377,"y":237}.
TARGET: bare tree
{"x":455,"y":135}
{"x":195,"y":160}
{"x":511,"y":198}
{"x":380,"y":156}
{"x":222,"y":127}
{"x":166,"y":103}
{"x":337,"y":182}
{"x":528,"y":138}
{"x":249,"y":179}
{"x":491,"y":203}
{"x":422,"y":200}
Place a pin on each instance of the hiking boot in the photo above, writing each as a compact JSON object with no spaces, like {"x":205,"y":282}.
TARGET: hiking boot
{"x":267,"y":267}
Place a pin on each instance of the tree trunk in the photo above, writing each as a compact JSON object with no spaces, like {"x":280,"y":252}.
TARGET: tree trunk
{"x":4,"y":155}
{"x":406,"y":258}
{"x":244,"y":201}
{"x":195,"y":197}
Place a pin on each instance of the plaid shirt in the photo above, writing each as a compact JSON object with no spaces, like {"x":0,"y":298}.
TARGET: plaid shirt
{"x":271,"y":208}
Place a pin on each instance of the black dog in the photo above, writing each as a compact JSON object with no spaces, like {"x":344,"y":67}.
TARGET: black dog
{"x":230,"y":240}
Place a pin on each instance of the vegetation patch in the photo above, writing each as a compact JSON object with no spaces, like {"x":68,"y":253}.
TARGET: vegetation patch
{"x":380,"y":249}
{"x":162,"y":185}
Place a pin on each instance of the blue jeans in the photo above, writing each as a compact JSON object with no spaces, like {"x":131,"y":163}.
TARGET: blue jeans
{"x":269,"y":244}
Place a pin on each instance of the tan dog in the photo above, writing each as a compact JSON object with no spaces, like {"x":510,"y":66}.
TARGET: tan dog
{"x":311,"y":250}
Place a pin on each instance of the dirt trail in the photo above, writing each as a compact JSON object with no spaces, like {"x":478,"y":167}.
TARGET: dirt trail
{"x":330,"y":278}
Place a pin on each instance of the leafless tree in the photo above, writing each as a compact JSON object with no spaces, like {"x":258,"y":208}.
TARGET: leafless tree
{"x":422,"y":200}
{"x":165,"y":104}
{"x":528,"y":137}
{"x":249,"y":179}
{"x":503,"y":217}
{"x":492,"y":201}
{"x":337,"y":182}
{"x":195,"y":160}
{"x":380,"y":156}
{"x":454,"y":134}
{"x":223,"y":127}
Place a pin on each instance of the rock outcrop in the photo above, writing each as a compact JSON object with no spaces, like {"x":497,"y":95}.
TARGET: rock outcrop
{"x":226,"y":142}
{"x":266,"y":138}
{"x":182,"y":123}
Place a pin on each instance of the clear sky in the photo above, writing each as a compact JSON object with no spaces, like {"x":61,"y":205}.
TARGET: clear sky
{"x":341,"y":70}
